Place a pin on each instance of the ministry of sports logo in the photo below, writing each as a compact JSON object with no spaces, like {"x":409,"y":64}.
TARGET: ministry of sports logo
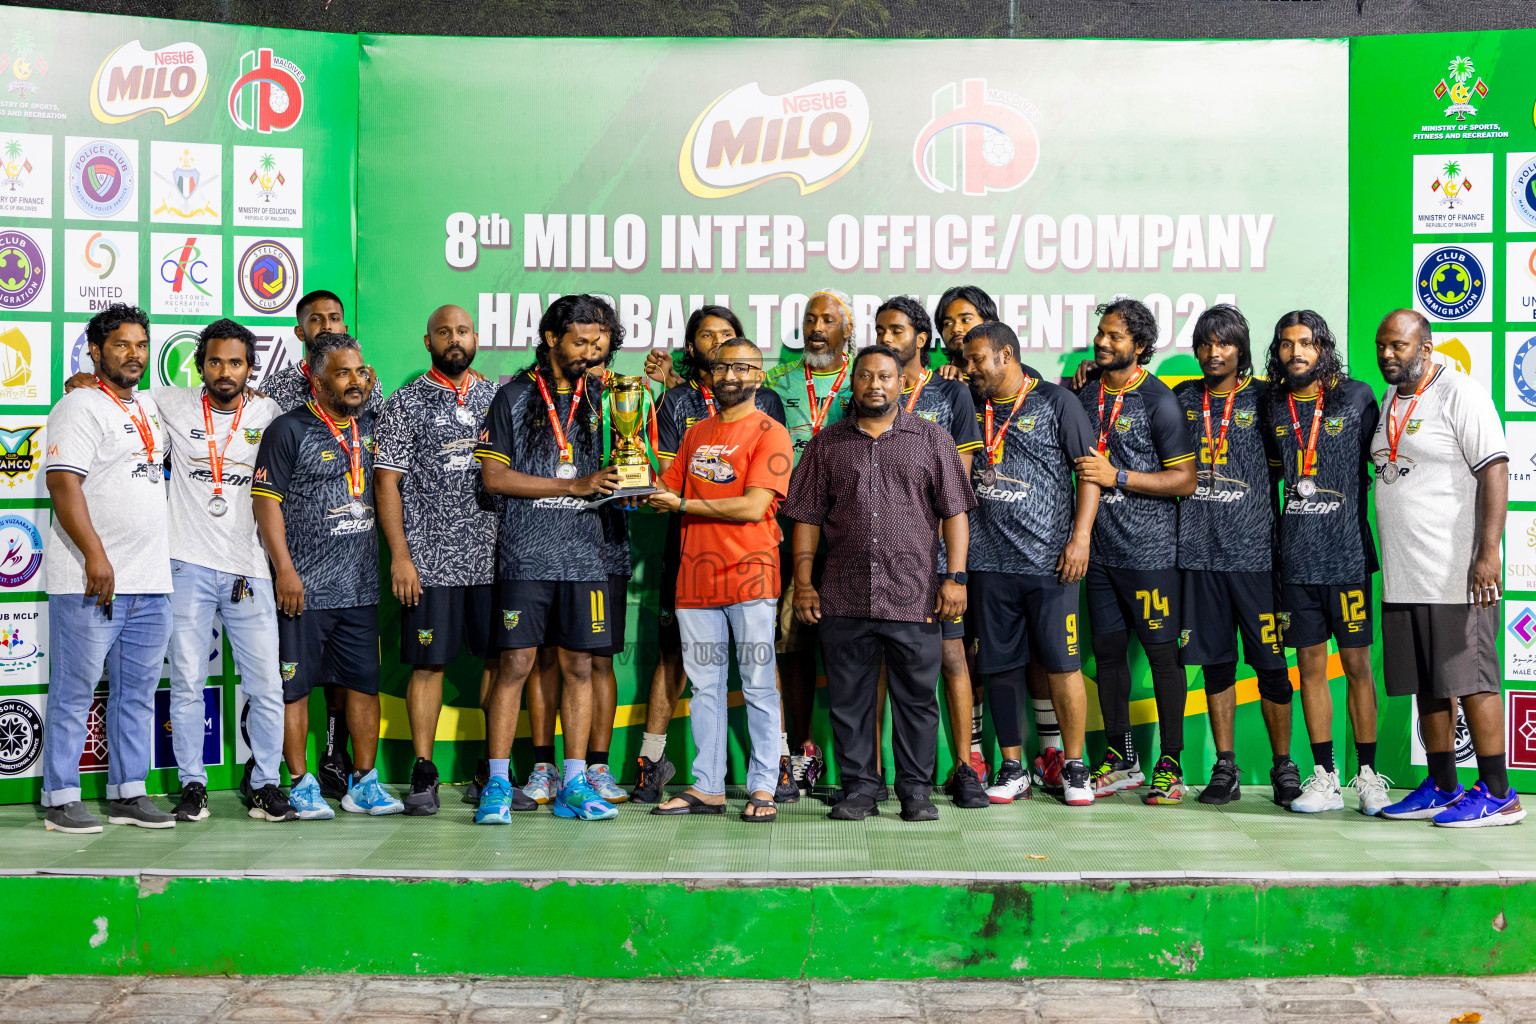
{"x":101,"y":179}
{"x":1460,"y":72}
{"x":23,"y":269}
{"x":267,"y":276}
{"x":21,"y":736}
{"x":1450,"y":282}
{"x":21,"y":551}
{"x":979,"y":140}
{"x":268,"y":94}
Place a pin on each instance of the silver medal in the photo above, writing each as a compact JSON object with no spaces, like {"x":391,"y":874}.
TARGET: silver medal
{"x":1306,"y":487}
{"x":155,"y":474}
{"x":464,"y":415}
{"x":1390,"y":473}
{"x":217,"y":506}
{"x":988,"y":477}
{"x":357,"y":510}
{"x":566,"y":471}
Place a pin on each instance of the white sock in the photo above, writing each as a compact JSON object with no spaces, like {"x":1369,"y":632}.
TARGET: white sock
{"x":653,"y":746}
{"x":501,"y":766}
{"x":574,"y":769}
{"x":1045,"y":722}
{"x":976,"y":728}
{"x":783,"y":744}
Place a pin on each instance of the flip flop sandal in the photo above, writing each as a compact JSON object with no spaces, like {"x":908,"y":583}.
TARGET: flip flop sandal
{"x":760,"y":819}
{"x":695,"y":806}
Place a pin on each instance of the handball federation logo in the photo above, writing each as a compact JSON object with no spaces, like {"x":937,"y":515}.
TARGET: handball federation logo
{"x":1522,"y":192}
{"x":979,"y":140}
{"x":268,"y":277}
{"x":21,"y":551}
{"x":1450,"y":282}
{"x":23,"y":269}
{"x":101,"y":179}
{"x":268,"y":95}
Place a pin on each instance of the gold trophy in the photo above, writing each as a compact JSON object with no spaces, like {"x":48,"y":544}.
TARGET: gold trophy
{"x":629,"y":405}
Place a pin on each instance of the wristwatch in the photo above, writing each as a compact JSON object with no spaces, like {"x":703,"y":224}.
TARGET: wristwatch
{"x":958,"y":577}
{"x":1121,"y":479}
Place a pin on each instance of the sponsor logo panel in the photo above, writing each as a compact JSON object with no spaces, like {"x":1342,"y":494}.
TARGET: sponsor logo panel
{"x":267,"y":275}
{"x":979,"y":140}
{"x":21,"y":551}
{"x":133,"y":80}
{"x":101,"y":178}
{"x":1521,"y":438}
{"x":22,"y":453}
{"x":267,"y":94}
{"x":1519,"y":640}
{"x":1453,"y":192}
{"x":24,"y":256}
{"x":1520,"y":282}
{"x":164,"y":755}
{"x":21,"y":735}
{"x":1520,"y":550}
{"x":26,"y":175}
{"x":23,"y":644}
{"x":1466,"y":756}
{"x":269,"y":187}
{"x":77,"y":358}
{"x":186,"y":274}
{"x":186,"y":182}
{"x":100,"y":268}
{"x":171,"y":351}
{"x":1468,"y":352}
{"x":26,"y":370}
{"x":1453,"y":282}
{"x":1520,"y":192}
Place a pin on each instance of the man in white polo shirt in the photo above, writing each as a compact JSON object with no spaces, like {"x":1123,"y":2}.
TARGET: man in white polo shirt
{"x":109,"y":576}
{"x":1442,"y":491}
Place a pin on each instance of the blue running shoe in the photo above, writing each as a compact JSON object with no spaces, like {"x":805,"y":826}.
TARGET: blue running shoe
{"x":366,"y":796}
{"x":543,"y":783}
{"x":495,"y":802}
{"x":1480,"y":808}
{"x":577,"y":799}
{"x":1425,"y":802}
{"x":305,"y":799}
{"x":601,"y":777}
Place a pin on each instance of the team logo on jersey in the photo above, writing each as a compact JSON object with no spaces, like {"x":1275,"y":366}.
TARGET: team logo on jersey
{"x":1333,"y":424}
{"x":1413,"y":426}
{"x":1450,"y":282}
{"x":1123,"y":424}
{"x":252,"y":435}
{"x":931,"y":417}
{"x":509,"y":619}
{"x":1184,"y":637}
{"x":424,"y":637}
{"x":1026,"y":424}
{"x":289,"y":668}
{"x":1241,"y":418}
{"x":1285,"y":623}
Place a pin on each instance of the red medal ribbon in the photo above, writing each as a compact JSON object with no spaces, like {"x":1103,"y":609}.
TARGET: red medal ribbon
{"x":819,"y":411}
{"x":922,"y":382}
{"x":1220,"y":444}
{"x":709,"y":399}
{"x":1309,"y":452}
{"x":566,"y":455}
{"x":354,"y":451}
{"x":215,"y":453}
{"x":461,"y":391}
{"x":1393,"y":437}
{"x":1114,"y":413}
{"x":995,"y":444}
{"x":146,"y":432}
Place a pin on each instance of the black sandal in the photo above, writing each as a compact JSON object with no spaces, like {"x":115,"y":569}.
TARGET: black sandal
{"x":695,"y":806}
{"x":760,"y":819}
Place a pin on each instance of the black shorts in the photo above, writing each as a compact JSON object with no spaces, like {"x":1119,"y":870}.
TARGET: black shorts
{"x":1147,"y":599}
{"x":1439,"y":650}
{"x":618,"y":609}
{"x":1312,"y":612}
{"x":668,"y":637}
{"x":955,"y":628}
{"x":535,"y":613}
{"x":1022,"y":618}
{"x":1217,"y":606}
{"x":329,"y":645}
{"x":430,"y":632}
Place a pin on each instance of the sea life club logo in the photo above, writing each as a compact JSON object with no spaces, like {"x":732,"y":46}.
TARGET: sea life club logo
{"x":979,"y":140}
{"x":169,"y":81}
{"x":268,"y":95}
{"x":812,"y":136}
{"x":1450,"y":282}
{"x":1460,"y":72}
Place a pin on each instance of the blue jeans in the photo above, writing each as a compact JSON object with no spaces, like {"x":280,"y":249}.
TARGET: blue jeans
{"x":200,"y":594}
{"x":706,"y":635}
{"x":131,"y":646}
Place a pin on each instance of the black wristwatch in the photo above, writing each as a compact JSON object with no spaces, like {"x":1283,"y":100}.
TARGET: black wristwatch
{"x":958,"y":577}
{"x":1121,"y":479}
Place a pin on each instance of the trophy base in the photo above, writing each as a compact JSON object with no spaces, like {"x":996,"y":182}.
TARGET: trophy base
{"x":634,"y":482}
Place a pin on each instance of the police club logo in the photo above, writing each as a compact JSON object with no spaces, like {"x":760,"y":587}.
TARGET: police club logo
{"x":23,"y":269}
{"x":21,"y":736}
{"x":101,"y":179}
{"x":21,"y":551}
{"x":1451,"y":282}
{"x":1522,"y":194}
{"x":979,"y":140}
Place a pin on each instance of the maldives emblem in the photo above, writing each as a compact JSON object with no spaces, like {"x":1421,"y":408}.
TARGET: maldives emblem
{"x":1452,"y":185}
{"x":1460,"y":72}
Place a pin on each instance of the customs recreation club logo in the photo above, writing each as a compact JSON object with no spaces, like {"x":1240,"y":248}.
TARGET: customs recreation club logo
{"x":1460,"y":72}
{"x":1522,"y":192}
{"x":169,"y":81}
{"x":23,"y":269}
{"x":101,"y":179}
{"x":811,"y":136}
{"x":1450,"y":282}
{"x":21,"y":551}
{"x":21,"y":736}
{"x":267,"y":276}
{"x":979,"y":140}
{"x":184,"y":265}
{"x":268,"y":95}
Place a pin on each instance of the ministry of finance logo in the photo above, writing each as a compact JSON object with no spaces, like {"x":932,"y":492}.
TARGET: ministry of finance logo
{"x":1450,"y":283}
{"x":979,"y":140}
{"x":21,"y":736}
{"x":101,"y":179}
{"x":268,"y":94}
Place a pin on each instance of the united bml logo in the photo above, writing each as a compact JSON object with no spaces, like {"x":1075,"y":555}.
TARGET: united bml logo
{"x":979,"y":140}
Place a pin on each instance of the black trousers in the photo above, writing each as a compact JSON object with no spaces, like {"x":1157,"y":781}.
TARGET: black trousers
{"x":852,"y":650}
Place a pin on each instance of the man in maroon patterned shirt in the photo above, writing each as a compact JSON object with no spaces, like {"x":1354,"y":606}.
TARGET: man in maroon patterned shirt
{"x":880,"y":483}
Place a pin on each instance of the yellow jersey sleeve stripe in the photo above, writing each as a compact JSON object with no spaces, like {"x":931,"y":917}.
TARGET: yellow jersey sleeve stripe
{"x":1177,"y":461}
{"x":969,"y":446}
{"x":486,"y":453}
{"x":267,"y":494}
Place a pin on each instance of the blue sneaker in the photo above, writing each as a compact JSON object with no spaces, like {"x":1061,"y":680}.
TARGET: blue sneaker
{"x":1480,"y":808}
{"x":495,"y":802}
{"x":1425,"y":802}
{"x":305,"y":799}
{"x":543,"y":783}
{"x":577,"y":799}
{"x":366,"y":796}
{"x":601,"y":777}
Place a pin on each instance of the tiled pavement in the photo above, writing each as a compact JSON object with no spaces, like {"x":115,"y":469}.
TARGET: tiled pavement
{"x":333,"y":999}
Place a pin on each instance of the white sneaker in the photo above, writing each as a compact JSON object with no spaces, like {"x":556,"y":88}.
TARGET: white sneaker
{"x":1010,"y":784}
{"x":1372,"y":789}
{"x":1077,"y":785}
{"x":1321,"y":792}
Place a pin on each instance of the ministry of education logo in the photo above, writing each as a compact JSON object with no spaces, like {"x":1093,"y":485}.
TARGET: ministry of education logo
{"x":1450,"y":282}
{"x":21,"y":736}
{"x":101,"y":179}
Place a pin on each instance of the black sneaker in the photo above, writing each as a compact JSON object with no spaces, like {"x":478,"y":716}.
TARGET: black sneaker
{"x":1285,"y":781}
{"x":246,"y":791}
{"x":422,"y":799}
{"x":520,"y":801}
{"x":653,"y":776}
{"x":965,"y":789}
{"x":194,"y":803}
{"x":854,"y":808}
{"x":1223,"y":787}
{"x":271,"y":804}
{"x":140,"y":811}
{"x":477,"y":784}
{"x":787,"y":791}
{"x":920,"y":808}
{"x":334,"y":775}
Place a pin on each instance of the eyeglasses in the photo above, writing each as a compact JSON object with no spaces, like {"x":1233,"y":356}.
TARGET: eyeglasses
{"x":740,"y":369}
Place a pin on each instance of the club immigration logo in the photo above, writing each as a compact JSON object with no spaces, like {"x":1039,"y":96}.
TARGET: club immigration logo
{"x":21,"y":736}
{"x":979,"y":140}
{"x":268,"y":95}
{"x":745,"y":137}
{"x":23,"y":269}
{"x":176,"y":366}
{"x":26,"y":65}
{"x":268,"y":276}
{"x":131,"y":81}
{"x":1450,"y":282}
{"x":101,"y":179}
{"x":21,"y":551}
{"x":19,"y":455}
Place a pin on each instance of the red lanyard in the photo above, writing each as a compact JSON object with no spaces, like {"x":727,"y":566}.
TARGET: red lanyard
{"x":354,"y":451}
{"x":561,"y":435}
{"x":1226,"y":421}
{"x":922,"y":382}
{"x":993,"y":444}
{"x":819,"y":411}
{"x":1308,"y":452}
{"x":709,"y":399}
{"x":1394,"y":436}
{"x":1115,"y":412}
{"x":146,"y":432}
{"x":215,"y":453}
{"x":461,"y":391}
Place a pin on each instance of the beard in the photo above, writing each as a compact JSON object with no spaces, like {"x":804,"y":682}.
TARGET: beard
{"x":1412,"y":373}
{"x":1116,"y":363}
{"x":452,"y":362}
{"x":224,"y":388}
{"x":1304,"y":379}
{"x":124,"y":378}
{"x":731,"y":395}
{"x":870,"y":411}
{"x":820,"y":360}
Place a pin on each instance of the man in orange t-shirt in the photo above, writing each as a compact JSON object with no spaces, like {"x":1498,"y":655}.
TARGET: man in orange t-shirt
{"x":730,"y":474}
